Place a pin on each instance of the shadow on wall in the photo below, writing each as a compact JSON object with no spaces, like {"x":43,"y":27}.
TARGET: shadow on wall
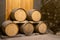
{"x":37,"y":4}
{"x":2,"y":12}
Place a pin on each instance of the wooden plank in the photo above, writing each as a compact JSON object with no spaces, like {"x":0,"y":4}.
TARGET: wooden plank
{"x":27,"y":4}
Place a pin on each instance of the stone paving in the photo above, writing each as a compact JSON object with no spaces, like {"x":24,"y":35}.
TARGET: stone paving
{"x":36,"y":37}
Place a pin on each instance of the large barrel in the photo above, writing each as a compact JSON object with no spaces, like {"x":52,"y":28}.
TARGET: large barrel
{"x":9,"y":28}
{"x":41,"y":27}
{"x":27,"y":28}
{"x":33,"y":15}
{"x":18,"y":14}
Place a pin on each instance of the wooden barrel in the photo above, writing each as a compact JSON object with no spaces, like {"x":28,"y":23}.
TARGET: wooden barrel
{"x":9,"y":28}
{"x":41,"y":27}
{"x":27,"y":28}
{"x":33,"y":15}
{"x":18,"y":14}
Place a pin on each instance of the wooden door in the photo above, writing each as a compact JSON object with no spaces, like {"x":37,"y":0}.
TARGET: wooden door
{"x":27,"y":4}
{"x":11,"y":4}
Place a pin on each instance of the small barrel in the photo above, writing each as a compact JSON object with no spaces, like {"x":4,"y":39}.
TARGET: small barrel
{"x":33,"y":15}
{"x":27,"y":29}
{"x":41,"y":27}
{"x":9,"y":28}
{"x":18,"y":14}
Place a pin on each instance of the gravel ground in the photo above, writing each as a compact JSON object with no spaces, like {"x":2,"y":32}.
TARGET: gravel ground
{"x":36,"y":37}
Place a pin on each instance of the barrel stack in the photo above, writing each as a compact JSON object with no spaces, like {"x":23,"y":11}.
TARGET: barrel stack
{"x":25,"y":22}
{"x":34,"y":16}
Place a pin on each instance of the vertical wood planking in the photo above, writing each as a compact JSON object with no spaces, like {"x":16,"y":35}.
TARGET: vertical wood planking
{"x":27,"y":4}
{"x":11,"y":4}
